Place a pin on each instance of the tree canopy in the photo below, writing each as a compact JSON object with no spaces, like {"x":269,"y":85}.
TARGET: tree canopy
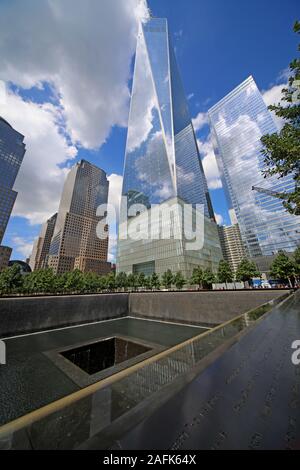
{"x":282,"y":150}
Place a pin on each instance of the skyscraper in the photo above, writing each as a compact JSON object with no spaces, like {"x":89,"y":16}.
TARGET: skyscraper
{"x":75,"y":244}
{"x":41,"y":245}
{"x":232,"y":245}
{"x":162,"y":162}
{"x":12,"y":150}
{"x":238,"y":122}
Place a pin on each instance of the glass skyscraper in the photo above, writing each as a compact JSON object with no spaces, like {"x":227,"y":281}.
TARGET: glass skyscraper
{"x":238,"y":122}
{"x":162,"y":161}
{"x":12,"y":150}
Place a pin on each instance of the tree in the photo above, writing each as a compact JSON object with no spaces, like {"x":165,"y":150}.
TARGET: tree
{"x":246,"y":271}
{"x":11,"y":280}
{"x":91,"y":282}
{"x":283,"y":268}
{"x":59,"y":283}
{"x":74,"y":281}
{"x":154,"y":281}
{"x":225,"y":273}
{"x":110,"y":281}
{"x":122,"y":281}
{"x":147,"y":282}
{"x":179,"y":280}
{"x":197,"y":277}
{"x":167,"y":279}
{"x":208,"y":278}
{"x":41,"y":281}
{"x":133,"y":281}
{"x":281,"y":151}
{"x":297,"y":262}
{"x":141,"y":280}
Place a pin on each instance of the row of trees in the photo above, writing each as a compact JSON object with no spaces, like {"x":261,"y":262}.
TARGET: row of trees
{"x":45,"y":281}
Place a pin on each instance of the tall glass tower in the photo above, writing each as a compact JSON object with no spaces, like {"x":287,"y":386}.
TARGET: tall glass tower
{"x":162,"y":160}
{"x":12,"y":150}
{"x":238,"y":122}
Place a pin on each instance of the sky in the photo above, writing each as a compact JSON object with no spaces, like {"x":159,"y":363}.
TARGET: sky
{"x":66,"y":76}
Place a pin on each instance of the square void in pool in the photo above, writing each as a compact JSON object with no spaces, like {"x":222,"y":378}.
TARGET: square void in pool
{"x":98,"y":356}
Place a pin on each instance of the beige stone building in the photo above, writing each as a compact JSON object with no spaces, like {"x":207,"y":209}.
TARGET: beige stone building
{"x":232,"y":246}
{"x":75,"y":244}
{"x":41,"y":245}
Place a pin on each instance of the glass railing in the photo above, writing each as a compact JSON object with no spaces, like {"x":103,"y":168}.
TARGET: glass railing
{"x":72,"y":420}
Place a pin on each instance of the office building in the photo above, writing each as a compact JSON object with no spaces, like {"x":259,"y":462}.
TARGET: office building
{"x":162,"y":163}
{"x":75,"y":244}
{"x":232,"y":245}
{"x":12,"y":150}
{"x":238,"y":122}
{"x":41,"y":245}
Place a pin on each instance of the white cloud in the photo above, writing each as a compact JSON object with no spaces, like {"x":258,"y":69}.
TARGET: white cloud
{"x":83,"y":49}
{"x":274,"y":96}
{"x":23,"y":246}
{"x":40,"y":178}
{"x":209,"y":164}
{"x":190,"y":96}
{"x":200,"y":121}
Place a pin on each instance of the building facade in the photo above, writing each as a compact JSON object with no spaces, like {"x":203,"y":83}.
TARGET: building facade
{"x":12,"y":150}
{"x":75,"y":243}
{"x":41,"y":246}
{"x":232,"y":245}
{"x":238,"y":122}
{"x":5,"y":252}
{"x":162,"y":162}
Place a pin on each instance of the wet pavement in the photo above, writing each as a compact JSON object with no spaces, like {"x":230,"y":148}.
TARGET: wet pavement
{"x":249,"y":398}
{"x":31,"y":380}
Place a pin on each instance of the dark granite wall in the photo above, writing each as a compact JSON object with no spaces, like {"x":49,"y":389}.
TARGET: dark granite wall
{"x":23,"y":315}
{"x":206,"y":308}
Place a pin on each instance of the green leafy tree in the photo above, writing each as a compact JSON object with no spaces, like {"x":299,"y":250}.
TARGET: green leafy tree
{"x":11,"y":280}
{"x":179,"y":280}
{"x":225,"y":273}
{"x":103,"y":280}
{"x":133,"y":281}
{"x":74,"y":281}
{"x":39,"y":282}
{"x":197,"y":277}
{"x":281,"y":151}
{"x":154,"y":281}
{"x":91,"y":282}
{"x":147,"y":282}
{"x":283,"y":268}
{"x":208,"y":279}
{"x":59,"y":283}
{"x":297,"y":262}
{"x":142,"y":280}
{"x":111,"y":281}
{"x":121,"y":281}
{"x":167,"y":279}
{"x":246,"y":271}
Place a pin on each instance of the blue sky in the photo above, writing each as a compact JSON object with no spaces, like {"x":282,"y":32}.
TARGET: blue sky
{"x":218,"y":44}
